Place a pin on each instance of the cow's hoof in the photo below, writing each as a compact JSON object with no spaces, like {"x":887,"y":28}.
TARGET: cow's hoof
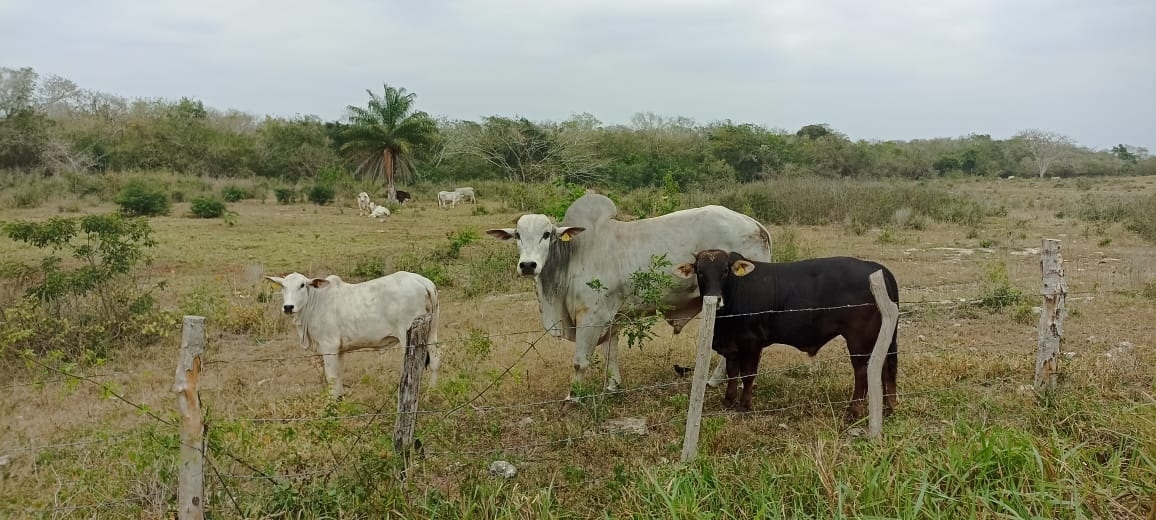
{"x":729,"y":404}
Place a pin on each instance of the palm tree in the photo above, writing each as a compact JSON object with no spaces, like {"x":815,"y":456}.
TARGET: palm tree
{"x":384,"y":136}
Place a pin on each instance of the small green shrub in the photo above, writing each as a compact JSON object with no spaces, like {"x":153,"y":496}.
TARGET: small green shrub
{"x":321,"y":194}
{"x":458,"y":240}
{"x":235,"y":193}
{"x":207,"y":207}
{"x":139,"y":198}
{"x":998,"y":291}
{"x":369,"y":268}
{"x":81,"y":312}
{"x":1149,"y":290}
{"x":177,"y":195}
{"x":785,"y":248}
{"x":285,"y":195}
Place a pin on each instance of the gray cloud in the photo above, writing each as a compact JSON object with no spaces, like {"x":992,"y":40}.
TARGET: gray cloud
{"x":893,"y":69}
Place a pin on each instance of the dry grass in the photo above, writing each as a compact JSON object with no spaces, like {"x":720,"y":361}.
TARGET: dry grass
{"x":961,"y":370}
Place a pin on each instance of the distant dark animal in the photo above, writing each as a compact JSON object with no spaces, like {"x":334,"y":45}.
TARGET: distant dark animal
{"x":749,"y":291}
{"x":682,"y":371}
{"x":403,"y":196}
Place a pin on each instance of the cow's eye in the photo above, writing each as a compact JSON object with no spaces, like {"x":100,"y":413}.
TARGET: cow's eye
{"x":302,"y":285}
{"x":545,"y":235}
{"x":517,"y":236}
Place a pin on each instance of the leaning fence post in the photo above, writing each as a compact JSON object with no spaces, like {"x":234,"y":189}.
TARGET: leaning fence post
{"x":698,"y":385}
{"x":1051,"y":328}
{"x":191,"y":482}
{"x":415,"y":361}
{"x":889,"y":310}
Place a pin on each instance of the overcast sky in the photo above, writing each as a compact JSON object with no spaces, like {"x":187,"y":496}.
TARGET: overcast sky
{"x":886,"y":69}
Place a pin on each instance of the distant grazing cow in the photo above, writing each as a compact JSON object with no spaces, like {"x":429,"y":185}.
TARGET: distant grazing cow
{"x":448,"y":197}
{"x":403,"y":196}
{"x":591,"y":245}
{"x":363,"y":203}
{"x":467,"y":193}
{"x":750,"y":291}
{"x":334,"y":317}
{"x":378,"y":212}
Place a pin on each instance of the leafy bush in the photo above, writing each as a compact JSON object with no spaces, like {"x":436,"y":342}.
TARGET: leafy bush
{"x":285,"y":195}
{"x":998,"y":291}
{"x":207,"y":207}
{"x":83,"y":313}
{"x":321,"y":194}
{"x":235,"y":193}
{"x":1142,"y":218}
{"x":139,"y":198}
{"x":369,"y":268}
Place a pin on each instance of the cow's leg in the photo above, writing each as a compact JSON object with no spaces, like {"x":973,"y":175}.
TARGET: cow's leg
{"x":860,"y":352}
{"x":750,"y":367}
{"x":612,"y":362}
{"x":719,"y":373}
{"x":333,"y":374}
{"x":732,"y":383}
{"x":586,"y":339}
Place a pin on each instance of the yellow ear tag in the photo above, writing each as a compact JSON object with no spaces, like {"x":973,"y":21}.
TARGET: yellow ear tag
{"x":565,"y":237}
{"x":740,"y":270}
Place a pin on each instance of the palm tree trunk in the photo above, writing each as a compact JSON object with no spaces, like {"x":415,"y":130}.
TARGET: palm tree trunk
{"x":387,"y":167}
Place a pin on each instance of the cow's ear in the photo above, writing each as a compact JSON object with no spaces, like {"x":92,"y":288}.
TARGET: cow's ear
{"x":317,"y":283}
{"x":566,"y":233}
{"x":742,"y":268}
{"x":684,"y":270}
{"x":501,"y":233}
{"x":276,"y":279}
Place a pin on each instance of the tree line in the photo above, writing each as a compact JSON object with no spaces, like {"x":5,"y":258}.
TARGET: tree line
{"x":49,"y":125}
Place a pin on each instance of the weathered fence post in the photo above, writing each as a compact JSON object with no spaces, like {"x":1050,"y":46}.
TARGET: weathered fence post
{"x":890,"y":312}
{"x":191,"y":483}
{"x":698,"y":385}
{"x":407,"y":393}
{"x":1051,"y":327}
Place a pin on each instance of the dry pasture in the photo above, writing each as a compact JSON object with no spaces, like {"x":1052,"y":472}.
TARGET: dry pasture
{"x":277,"y":446}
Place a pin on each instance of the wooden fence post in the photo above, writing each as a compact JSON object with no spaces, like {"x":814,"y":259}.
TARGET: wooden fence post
{"x":407,"y":394}
{"x":1051,"y":327}
{"x":890,"y":312}
{"x":191,"y":483}
{"x":698,"y":385}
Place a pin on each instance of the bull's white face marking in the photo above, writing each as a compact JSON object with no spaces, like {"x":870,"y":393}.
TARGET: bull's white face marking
{"x":534,"y":235}
{"x":295,"y":289}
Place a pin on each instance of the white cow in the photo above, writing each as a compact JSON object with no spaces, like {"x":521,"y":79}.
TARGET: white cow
{"x":592,"y":245}
{"x":334,"y":317}
{"x":378,"y":212}
{"x":363,"y":203}
{"x":448,"y":197}
{"x":467,"y":192}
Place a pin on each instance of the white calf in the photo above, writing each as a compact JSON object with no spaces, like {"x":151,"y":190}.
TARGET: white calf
{"x":334,"y":317}
{"x":448,"y":197}
{"x":466,"y":192}
{"x":378,"y":212}
{"x":363,"y":203}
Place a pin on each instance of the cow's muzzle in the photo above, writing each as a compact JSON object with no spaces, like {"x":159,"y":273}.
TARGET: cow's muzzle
{"x":288,"y":309}
{"x":528,"y":268}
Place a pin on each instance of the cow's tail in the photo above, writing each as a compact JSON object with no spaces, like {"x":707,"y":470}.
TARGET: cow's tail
{"x":891,"y":362}
{"x":433,"y":354}
{"x":764,"y":238}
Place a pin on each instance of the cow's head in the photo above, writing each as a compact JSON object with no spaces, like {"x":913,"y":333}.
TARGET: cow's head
{"x":713,"y":268}
{"x":295,"y":288}
{"x":535,"y":234}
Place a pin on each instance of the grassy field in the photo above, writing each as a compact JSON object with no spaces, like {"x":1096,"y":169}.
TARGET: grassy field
{"x":968,"y":439}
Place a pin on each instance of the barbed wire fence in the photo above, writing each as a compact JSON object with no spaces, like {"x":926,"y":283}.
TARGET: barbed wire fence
{"x":202,"y":449}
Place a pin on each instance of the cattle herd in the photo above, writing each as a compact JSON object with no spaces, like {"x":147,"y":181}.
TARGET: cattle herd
{"x":583,"y":269}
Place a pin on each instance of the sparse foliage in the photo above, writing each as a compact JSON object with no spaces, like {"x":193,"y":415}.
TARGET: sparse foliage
{"x":1044,"y":147}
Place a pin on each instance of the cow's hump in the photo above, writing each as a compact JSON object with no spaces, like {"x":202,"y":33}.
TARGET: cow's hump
{"x":590,"y":211}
